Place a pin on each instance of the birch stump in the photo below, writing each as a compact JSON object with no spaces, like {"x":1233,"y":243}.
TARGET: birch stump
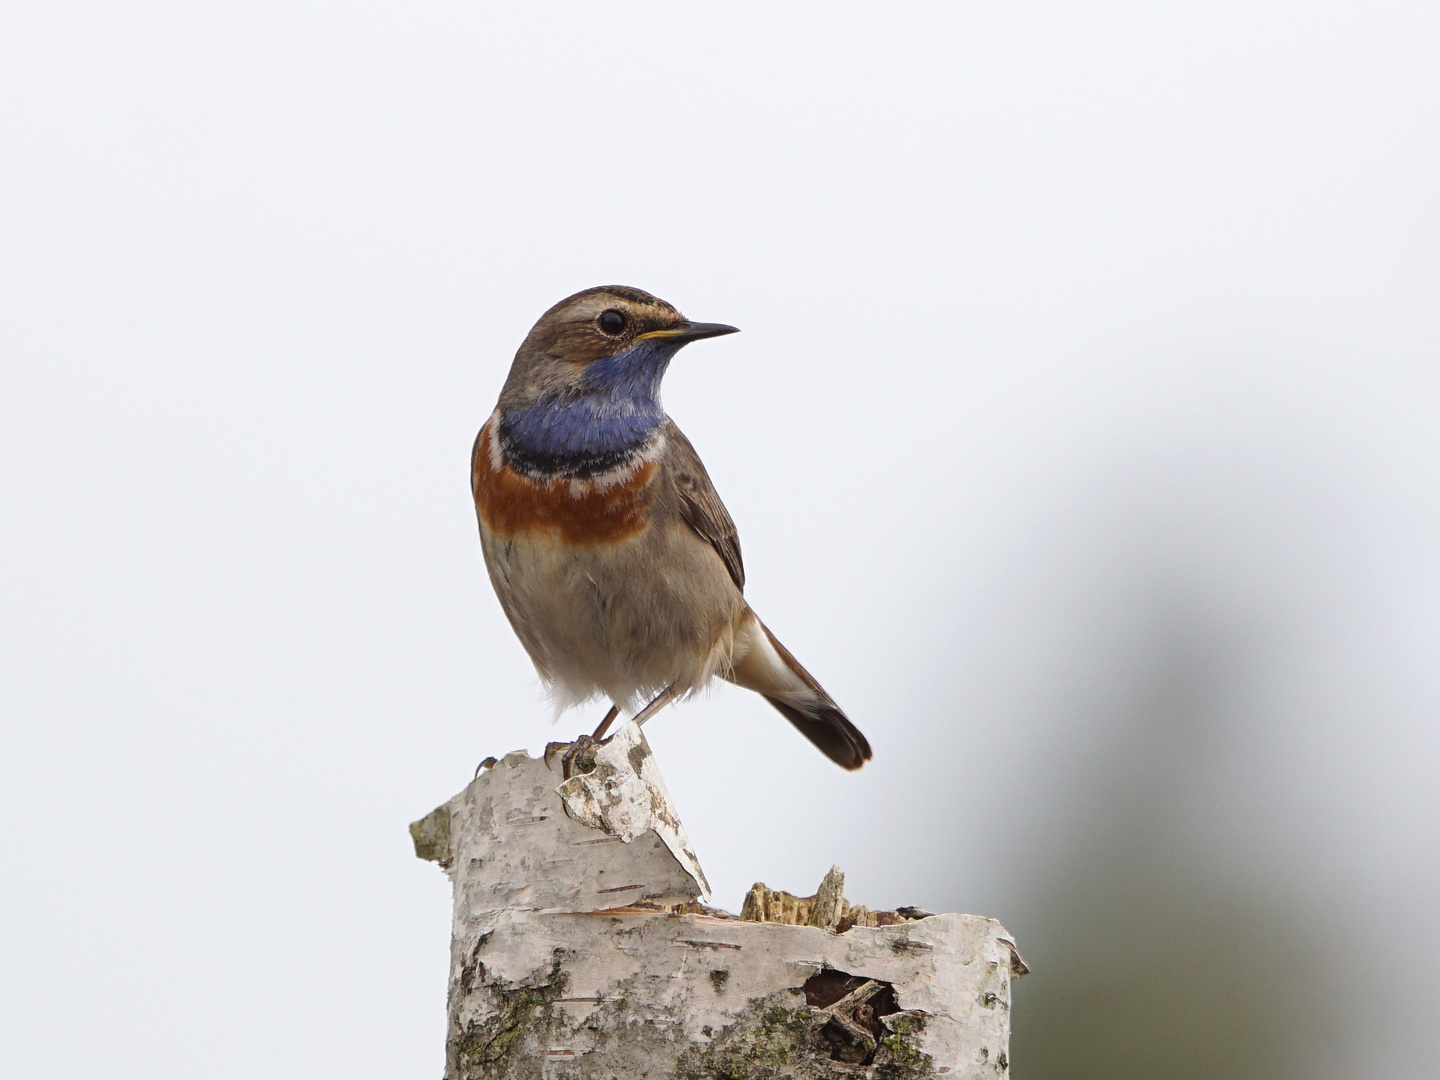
{"x":583,"y":948}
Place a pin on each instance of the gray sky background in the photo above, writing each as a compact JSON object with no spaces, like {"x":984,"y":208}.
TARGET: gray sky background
{"x":1082,"y":438}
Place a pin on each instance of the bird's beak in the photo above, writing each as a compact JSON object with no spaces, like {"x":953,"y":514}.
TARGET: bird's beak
{"x":689,"y":331}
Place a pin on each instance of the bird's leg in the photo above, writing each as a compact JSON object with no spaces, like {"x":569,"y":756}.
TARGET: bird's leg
{"x":661,"y":699}
{"x":605,"y":724}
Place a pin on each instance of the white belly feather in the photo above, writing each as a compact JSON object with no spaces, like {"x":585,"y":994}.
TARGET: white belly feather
{"x":622,"y":621}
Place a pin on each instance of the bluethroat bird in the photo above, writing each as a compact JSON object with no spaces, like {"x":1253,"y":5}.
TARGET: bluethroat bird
{"x":613,"y":557}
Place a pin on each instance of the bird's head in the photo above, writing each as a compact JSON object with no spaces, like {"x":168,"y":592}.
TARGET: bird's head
{"x":609,"y":342}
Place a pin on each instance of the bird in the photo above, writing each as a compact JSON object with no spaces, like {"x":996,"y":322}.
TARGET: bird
{"x":612,"y":555}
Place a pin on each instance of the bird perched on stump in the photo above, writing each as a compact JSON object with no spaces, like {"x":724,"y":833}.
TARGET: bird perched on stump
{"x":613,"y":556}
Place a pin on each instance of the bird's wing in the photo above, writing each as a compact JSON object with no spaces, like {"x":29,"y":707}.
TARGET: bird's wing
{"x":700,"y":505}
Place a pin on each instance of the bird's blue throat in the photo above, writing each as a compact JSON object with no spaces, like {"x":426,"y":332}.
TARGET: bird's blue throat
{"x":596,"y":425}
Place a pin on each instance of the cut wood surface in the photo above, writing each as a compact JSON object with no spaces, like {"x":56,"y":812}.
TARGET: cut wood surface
{"x":583,"y":948}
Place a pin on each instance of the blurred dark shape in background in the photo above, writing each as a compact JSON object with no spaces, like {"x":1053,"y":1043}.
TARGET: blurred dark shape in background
{"x":1154,"y":964}
{"x":1190,"y":702}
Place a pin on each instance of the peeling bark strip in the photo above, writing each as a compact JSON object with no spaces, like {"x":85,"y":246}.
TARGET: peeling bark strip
{"x":583,"y":950}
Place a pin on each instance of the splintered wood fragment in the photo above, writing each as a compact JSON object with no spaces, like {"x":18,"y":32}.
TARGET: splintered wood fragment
{"x":583,"y":948}
{"x":827,"y":909}
{"x":857,"y":997}
{"x":764,"y":904}
{"x":830,"y":906}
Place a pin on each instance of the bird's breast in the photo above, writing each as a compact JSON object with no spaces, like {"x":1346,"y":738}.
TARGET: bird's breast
{"x":602,"y":509}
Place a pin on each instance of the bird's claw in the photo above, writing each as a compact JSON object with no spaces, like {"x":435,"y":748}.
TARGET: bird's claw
{"x":578,"y":747}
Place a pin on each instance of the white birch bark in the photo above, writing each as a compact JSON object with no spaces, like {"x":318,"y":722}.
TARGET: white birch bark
{"x":581,"y":948}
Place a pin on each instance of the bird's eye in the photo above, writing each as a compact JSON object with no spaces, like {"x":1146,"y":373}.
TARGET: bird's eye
{"x":612,"y":321}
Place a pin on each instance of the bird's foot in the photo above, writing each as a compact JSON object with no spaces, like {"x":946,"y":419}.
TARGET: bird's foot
{"x":571,"y":752}
{"x":576,"y":755}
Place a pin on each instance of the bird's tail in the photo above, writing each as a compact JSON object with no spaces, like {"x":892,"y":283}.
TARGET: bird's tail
{"x":764,"y":665}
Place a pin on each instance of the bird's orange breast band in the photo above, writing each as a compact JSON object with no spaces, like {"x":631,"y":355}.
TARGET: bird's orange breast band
{"x":511,"y":504}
